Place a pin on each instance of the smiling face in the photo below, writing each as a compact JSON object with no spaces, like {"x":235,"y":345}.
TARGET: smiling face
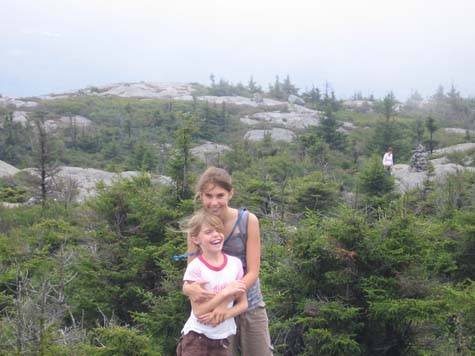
{"x":209,"y":239}
{"x":215,"y":200}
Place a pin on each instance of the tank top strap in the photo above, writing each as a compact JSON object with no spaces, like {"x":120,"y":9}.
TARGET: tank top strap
{"x":240,"y":222}
{"x":243,"y":224}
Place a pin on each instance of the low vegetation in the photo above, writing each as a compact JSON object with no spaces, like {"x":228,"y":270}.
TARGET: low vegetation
{"x":349,"y":266}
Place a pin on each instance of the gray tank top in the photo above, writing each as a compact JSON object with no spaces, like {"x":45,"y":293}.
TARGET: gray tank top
{"x":235,"y":245}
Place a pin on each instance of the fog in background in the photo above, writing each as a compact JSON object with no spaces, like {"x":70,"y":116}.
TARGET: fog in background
{"x":367,"y":46}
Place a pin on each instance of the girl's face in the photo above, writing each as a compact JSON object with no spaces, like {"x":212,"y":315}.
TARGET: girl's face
{"x":209,"y":239}
{"x":215,"y":199}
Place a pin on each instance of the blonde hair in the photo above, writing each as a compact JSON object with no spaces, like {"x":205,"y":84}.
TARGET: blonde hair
{"x":215,"y":177}
{"x":196,"y":221}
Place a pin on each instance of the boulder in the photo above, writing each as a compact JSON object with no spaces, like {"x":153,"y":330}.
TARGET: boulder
{"x":209,"y":152}
{"x":294,"y":99}
{"x":7,"y":170}
{"x":20,"y":117}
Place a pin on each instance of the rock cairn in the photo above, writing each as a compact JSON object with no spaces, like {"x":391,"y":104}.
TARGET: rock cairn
{"x":258,"y":98}
{"x":419,"y":159}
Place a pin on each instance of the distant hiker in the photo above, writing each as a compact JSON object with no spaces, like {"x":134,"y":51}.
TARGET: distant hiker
{"x":241,"y":228}
{"x":224,"y":275}
{"x":388,"y":161}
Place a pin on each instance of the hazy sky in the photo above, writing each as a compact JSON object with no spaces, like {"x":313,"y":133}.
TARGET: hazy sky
{"x":367,"y":46}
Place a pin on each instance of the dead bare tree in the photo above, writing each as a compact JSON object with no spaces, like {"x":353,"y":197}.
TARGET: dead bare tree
{"x":46,"y":156}
{"x":40,"y":305}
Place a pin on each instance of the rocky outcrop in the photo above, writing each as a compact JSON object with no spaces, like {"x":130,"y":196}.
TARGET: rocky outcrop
{"x":346,"y":127}
{"x":76,"y":120}
{"x":20,"y":117}
{"x":80,"y":122}
{"x":406,"y":179}
{"x":240,"y":100}
{"x":458,"y":131}
{"x":174,"y":91}
{"x":7,"y":170}
{"x":359,"y":105}
{"x":296,"y":118}
{"x":409,"y":177}
{"x":16,"y":102}
{"x":83,"y":180}
{"x":87,"y":179}
{"x":210,"y":153}
{"x":463,"y":147}
{"x":177,"y":91}
{"x":276,"y":134}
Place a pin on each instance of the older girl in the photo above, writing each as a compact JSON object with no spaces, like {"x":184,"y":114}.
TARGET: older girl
{"x":242,"y":239}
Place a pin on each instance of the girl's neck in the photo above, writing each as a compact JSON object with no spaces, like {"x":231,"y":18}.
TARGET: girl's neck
{"x":214,"y":258}
{"x":229,"y":215}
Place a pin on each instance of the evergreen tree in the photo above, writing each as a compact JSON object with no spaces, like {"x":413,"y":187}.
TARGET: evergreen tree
{"x":387,"y":106}
{"x":313,"y":96}
{"x":276,"y":91}
{"x":288,"y":88}
{"x":213,"y":121}
{"x":14,"y":139}
{"x":432,"y":127}
{"x":178,"y":167}
{"x":373,"y":178}
{"x":419,"y":131}
{"x":328,"y":131}
{"x":414,"y":101}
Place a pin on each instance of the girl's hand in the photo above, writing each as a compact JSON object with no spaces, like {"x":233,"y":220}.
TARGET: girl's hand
{"x":235,"y":288}
{"x":197,"y":293}
{"x":215,"y":317}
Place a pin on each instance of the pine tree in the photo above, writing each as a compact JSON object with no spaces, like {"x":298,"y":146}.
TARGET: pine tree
{"x":432,"y":127}
{"x":179,"y":164}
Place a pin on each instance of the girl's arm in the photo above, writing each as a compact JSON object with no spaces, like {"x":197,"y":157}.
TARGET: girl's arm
{"x":253,"y":251}
{"x":238,"y":308}
{"x":196,"y":291}
{"x":235,"y":287}
{"x":222,"y":312}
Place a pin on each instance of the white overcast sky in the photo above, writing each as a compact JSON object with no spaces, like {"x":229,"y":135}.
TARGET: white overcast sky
{"x":367,"y":46}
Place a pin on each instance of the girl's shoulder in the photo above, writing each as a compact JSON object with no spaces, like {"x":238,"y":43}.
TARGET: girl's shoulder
{"x":234,"y":261}
{"x":232,"y":258}
{"x":252,"y":218}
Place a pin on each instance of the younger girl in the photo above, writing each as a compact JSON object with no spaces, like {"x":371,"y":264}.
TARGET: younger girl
{"x":214,"y":191}
{"x":223,"y":274}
